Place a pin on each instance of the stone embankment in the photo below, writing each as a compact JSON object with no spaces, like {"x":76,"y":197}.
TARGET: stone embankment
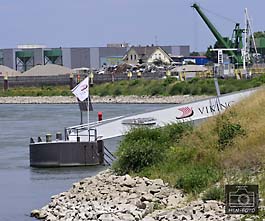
{"x":107,"y":197}
{"x":105,"y":99}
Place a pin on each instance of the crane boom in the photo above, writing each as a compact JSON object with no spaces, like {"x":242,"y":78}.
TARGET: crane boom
{"x":216,"y":34}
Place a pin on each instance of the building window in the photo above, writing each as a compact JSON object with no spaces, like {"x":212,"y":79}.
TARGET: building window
{"x":131,"y":57}
{"x":135,"y":57}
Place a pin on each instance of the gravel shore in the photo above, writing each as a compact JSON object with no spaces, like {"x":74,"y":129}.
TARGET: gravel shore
{"x":108,"y":197}
{"x":106,"y":99}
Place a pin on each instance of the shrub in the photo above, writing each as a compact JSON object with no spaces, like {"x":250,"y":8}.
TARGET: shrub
{"x":156,"y":90}
{"x":196,"y":90}
{"x":39,"y":93}
{"x":214,"y":193}
{"x":168,"y":81}
{"x":134,"y":82}
{"x":140,"y":148}
{"x":117,"y":92}
{"x":183,"y":155}
{"x":143,"y":147}
{"x":204,"y":89}
{"x":195,"y":178}
{"x":176,"y":89}
{"x":65,"y":93}
{"x":227,"y":131}
{"x":104,"y":92}
{"x":186,"y":89}
{"x":174,"y":132}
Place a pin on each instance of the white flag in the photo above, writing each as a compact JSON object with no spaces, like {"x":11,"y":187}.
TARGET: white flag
{"x":81,"y":90}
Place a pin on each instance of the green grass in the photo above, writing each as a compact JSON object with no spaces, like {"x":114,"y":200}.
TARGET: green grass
{"x":214,"y":193}
{"x":37,"y":91}
{"x":226,"y":149}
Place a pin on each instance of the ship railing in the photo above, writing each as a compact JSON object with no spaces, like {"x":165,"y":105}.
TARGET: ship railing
{"x":77,"y":132}
{"x":108,"y":156}
{"x":77,"y":129}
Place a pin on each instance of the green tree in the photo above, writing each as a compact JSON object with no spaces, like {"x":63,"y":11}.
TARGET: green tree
{"x":211,"y":55}
{"x":194,"y":53}
{"x":259,"y":34}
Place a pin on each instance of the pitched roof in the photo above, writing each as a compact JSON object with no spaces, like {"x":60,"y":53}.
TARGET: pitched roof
{"x":147,"y":51}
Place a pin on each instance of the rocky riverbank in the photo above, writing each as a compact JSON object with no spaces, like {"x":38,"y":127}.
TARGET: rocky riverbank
{"x":107,"y":197}
{"x":105,"y":99}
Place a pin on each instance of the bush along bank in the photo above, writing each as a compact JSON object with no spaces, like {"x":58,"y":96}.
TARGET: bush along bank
{"x":171,"y":86}
{"x":143,"y":87}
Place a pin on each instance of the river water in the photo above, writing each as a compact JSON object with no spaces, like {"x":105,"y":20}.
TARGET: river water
{"x":23,"y":188}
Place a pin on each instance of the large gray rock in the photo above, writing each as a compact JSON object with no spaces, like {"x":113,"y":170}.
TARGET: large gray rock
{"x":129,"y":181}
{"x":174,"y":200}
{"x":148,"y":218}
{"x":127,"y":217}
{"x":147,"y":197}
{"x":39,"y":214}
{"x":108,"y":217}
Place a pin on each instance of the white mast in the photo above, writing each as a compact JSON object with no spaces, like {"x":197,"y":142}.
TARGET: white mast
{"x":247,"y":44}
{"x":244,"y":51}
{"x":88,"y":108}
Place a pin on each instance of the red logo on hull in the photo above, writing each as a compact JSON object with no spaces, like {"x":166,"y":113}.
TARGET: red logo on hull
{"x":186,"y":112}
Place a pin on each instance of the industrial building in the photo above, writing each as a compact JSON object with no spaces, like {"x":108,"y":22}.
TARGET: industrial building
{"x":24,"y":57}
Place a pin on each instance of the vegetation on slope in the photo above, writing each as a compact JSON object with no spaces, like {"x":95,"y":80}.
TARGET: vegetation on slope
{"x":164,"y":87}
{"x":226,"y":149}
{"x":37,"y":91}
{"x":171,"y":86}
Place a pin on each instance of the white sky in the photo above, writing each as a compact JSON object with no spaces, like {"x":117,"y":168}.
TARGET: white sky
{"x":88,"y":23}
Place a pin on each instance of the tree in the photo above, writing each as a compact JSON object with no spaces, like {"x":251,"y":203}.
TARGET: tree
{"x":194,"y":53}
{"x":259,"y":34}
{"x":211,"y":55}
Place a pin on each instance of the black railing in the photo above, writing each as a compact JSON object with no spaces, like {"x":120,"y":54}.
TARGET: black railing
{"x":108,"y":156}
{"x":77,"y":131}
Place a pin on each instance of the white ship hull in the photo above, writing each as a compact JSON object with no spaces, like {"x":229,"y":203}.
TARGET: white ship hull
{"x":180,"y":113}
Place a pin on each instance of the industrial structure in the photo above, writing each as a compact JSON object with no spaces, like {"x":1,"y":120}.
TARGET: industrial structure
{"x":242,"y":52}
{"x":27,"y":56}
{"x":226,"y":43}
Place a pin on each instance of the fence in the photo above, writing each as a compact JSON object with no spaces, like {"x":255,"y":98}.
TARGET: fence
{"x":29,"y":81}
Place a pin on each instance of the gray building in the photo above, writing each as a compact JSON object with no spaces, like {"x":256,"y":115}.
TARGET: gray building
{"x":24,"y":58}
{"x":180,"y":50}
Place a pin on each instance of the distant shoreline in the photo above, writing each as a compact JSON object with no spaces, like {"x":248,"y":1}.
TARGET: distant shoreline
{"x":106,"y":99}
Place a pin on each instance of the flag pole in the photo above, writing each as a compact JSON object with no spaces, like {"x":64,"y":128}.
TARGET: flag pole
{"x":88,"y":108}
{"x":81,"y":91}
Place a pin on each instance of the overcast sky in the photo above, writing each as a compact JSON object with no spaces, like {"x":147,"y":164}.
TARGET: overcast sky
{"x":88,"y":23}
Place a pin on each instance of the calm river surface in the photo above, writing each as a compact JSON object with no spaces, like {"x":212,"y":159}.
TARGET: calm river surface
{"x":23,"y":188}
